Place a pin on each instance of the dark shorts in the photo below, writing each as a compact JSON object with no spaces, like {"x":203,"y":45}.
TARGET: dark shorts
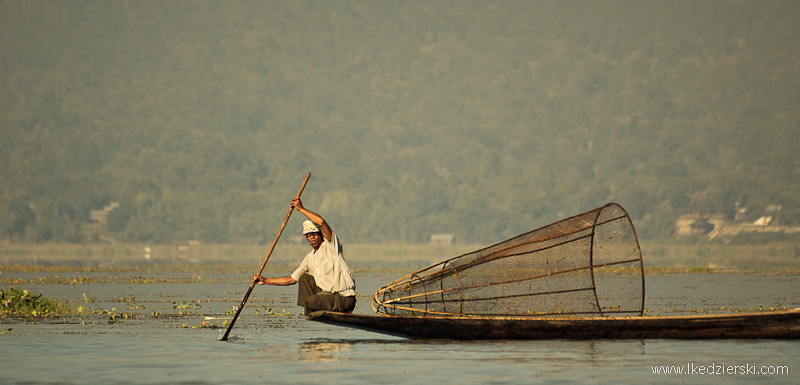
{"x":312,"y":298}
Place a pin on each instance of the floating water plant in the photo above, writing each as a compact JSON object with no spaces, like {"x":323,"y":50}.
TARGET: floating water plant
{"x":233,"y":311}
{"x":772,"y":308}
{"x":22,"y":303}
{"x":275,"y":313}
{"x":184,"y":305}
{"x":203,"y":325}
{"x":114,"y":317}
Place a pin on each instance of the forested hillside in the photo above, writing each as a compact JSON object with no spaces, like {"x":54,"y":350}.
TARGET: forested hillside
{"x":477,"y":118}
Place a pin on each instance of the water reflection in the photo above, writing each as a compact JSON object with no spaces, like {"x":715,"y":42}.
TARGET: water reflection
{"x":322,"y":351}
{"x":599,"y":350}
{"x":326,"y":350}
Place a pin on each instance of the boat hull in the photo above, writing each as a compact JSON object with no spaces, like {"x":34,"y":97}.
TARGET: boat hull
{"x":766,"y":325}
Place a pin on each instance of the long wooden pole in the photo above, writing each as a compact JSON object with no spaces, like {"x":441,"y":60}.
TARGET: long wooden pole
{"x":275,"y":242}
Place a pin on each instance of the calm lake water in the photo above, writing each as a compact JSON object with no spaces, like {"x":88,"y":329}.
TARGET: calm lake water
{"x":152,"y":334}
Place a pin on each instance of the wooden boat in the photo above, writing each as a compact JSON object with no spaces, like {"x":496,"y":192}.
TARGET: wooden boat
{"x":578,"y":278}
{"x":766,"y":325}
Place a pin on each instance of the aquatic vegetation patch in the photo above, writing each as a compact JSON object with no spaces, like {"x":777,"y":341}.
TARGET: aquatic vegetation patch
{"x":22,"y":303}
{"x":204,"y":325}
{"x":652,"y":270}
{"x":274,"y":313}
{"x":82,"y":280}
{"x":185,"y":305}
{"x":115,"y":317}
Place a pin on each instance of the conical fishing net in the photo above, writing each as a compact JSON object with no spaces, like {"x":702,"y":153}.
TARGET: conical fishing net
{"x":583,"y":266}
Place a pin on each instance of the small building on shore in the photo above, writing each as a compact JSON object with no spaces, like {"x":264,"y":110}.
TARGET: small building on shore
{"x":442,"y":239}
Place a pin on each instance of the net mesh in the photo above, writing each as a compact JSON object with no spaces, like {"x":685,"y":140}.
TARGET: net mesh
{"x":583,"y":266}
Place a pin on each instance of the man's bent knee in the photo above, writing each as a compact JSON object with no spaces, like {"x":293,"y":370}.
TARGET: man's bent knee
{"x":330,"y":302}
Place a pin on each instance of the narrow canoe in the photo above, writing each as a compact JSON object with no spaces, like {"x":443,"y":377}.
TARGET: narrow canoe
{"x":766,"y":325}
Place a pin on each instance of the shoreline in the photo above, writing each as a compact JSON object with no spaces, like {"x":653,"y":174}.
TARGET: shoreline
{"x":658,"y":257}
{"x":206,"y":269}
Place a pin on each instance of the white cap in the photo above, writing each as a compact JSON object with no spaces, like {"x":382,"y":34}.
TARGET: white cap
{"x":310,"y":227}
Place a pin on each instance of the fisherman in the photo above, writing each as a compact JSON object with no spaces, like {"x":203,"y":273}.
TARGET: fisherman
{"x":325,"y":282}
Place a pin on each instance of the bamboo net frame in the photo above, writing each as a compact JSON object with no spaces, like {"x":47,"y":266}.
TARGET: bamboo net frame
{"x":588,"y":265}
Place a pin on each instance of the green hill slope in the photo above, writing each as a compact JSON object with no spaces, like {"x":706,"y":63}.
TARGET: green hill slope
{"x":200,"y":118}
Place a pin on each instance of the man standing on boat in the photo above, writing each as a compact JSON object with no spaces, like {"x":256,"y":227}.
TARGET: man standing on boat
{"x":325,"y":282}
